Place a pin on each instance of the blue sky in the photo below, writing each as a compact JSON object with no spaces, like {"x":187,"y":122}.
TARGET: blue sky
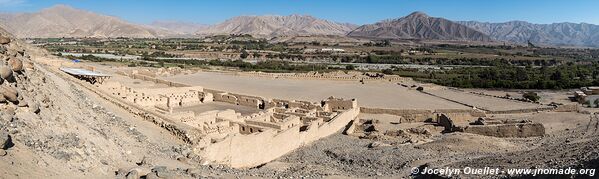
{"x":352,"y":11}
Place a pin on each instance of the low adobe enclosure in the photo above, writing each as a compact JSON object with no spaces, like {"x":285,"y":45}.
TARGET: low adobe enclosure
{"x":225,"y":136}
{"x":244,"y":131}
{"x":493,"y":127}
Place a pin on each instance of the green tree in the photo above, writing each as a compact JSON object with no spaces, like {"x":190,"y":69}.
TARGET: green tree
{"x":350,"y":67}
{"x":386,"y":43}
{"x":244,"y":54}
{"x":387,"y":71}
{"x":531,"y":96}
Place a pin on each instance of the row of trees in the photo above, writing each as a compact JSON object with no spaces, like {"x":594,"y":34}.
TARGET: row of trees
{"x":399,"y":59}
{"x":266,"y":66}
{"x":510,"y":76}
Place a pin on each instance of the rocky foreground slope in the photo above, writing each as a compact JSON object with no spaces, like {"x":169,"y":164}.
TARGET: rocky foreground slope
{"x":50,"y":127}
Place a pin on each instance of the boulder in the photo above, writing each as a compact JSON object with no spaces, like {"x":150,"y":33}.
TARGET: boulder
{"x":4,"y":40}
{"x":8,"y":110}
{"x":152,"y":175}
{"x":9,"y":93}
{"x":133,"y":174}
{"x":161,"y":172}
{"x":15,"y":64}
{"x":378,"y":144}
{"x":145,"y":161}
{"x":35,"y":108}
{"x":479,"y":121}
{"x":5,"y":72}
{"x":23,"y":103}
{"x":5,"y":140}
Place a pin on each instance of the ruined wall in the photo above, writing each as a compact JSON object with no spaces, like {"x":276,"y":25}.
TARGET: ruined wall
{"x":184,"y":132}
{"x":516,"y":111}
{"x":208,"y":97}
{"x":333,"y":126}
{"x":422,"y":115}
{"x":567,"y":108}
{"x":508,"y":130}
{"x":182,"y":116}
{"x":250,"y":101}
{"x":179,"y":96}
{"x":319,"y":76}
{"x":226,"y":97}
{"x":408,"y":115}
{"x":446,"y":122}
{"x":288,"y":123}
{"x":251,"y":150}
{"x":340,"y":105}
{"x":461,"y":115}
{"x":156,"y":80}
{"x":237,"y":99}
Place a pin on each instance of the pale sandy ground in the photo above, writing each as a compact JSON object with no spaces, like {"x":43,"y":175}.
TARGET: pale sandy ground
{"x":200,"y":108}
{"x":484,"y":102}
{"x":136,"y":83}
{"x":381,"y":95}
{"x":547,"y":96}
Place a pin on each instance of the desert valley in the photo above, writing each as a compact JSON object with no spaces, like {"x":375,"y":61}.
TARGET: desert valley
{"x":87,"y":95}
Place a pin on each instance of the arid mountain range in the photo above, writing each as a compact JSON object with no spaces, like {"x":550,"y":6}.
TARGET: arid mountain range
{"x":558,"y":34}
{"x":272,"y":26}
{"x":65,"y":21}
{"x":419,"y":26}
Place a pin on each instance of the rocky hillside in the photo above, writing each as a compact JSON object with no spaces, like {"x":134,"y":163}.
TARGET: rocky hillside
{"x":53,"y":128}
{"x":65,"y":21}
{"x":272,"y":26}
{"x":419,"y":26}
{"x":559,"y":34}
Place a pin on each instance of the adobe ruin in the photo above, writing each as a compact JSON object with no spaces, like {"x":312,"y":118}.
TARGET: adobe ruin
{"x":227,"y":137}
{"x":494,"y":127}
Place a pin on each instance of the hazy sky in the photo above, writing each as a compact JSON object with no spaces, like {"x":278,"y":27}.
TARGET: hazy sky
{"x":353,"y":11}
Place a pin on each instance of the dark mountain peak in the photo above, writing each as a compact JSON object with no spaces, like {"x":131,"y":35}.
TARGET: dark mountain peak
{"x":418,"y":25}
